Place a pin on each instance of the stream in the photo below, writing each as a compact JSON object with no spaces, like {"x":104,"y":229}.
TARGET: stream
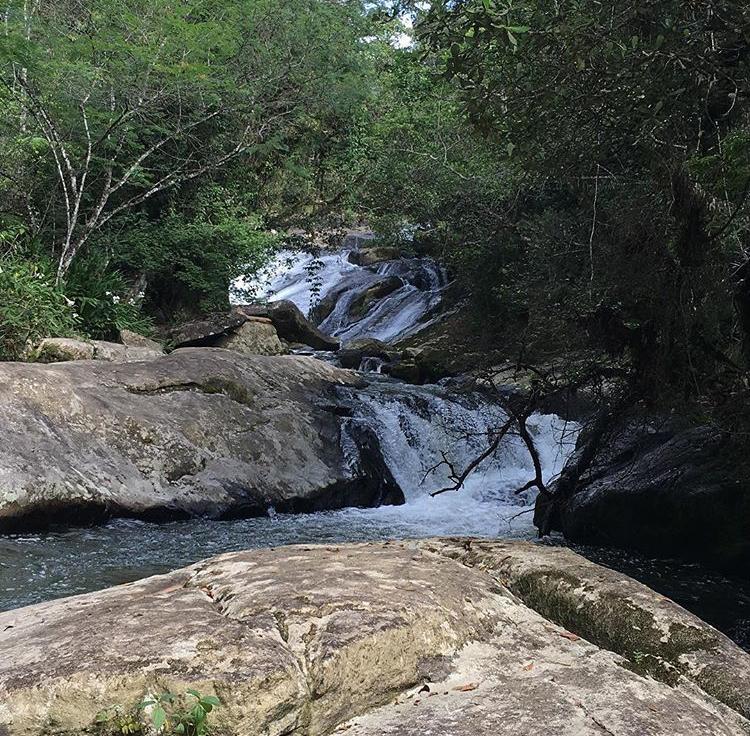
{"x":419,"y":429}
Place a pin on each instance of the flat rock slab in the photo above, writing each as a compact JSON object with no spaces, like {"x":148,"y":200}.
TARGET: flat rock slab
{"x":385,"y":638}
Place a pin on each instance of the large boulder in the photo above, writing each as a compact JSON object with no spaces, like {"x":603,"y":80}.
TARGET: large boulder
{"x":60,"y":349}
{"x":290,"y":324}
{"x":63,"y":349}
{"x":201,"y":431}
{"x":457,"y":638}
{"x":136,"y":340}
{"x":661,"y":486}
{"x":205,"y":332}
{"x":257,"y":336}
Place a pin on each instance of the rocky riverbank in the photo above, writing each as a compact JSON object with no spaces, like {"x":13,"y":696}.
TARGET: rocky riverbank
{"x":442,"y":636}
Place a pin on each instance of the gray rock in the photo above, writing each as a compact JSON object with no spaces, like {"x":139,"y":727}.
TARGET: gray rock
{"x":134,"y":340}
{"x":257,"y":336}
{"x":113,"y":352}
{"x":60,"y":349}
{"x":201,"y":431}
{"x":665,"y":488}
{"x":353,"y":352}
{"x":357,"y":238}
{"x":375,"y":254}
{"x":290,"y":324}
{"x":389,"y":638}
{"x":205,"y":332}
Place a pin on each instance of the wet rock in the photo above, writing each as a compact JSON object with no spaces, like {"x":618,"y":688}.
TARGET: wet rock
{"x":290,"y":323}
{"x":353,"y":353}
{"x":388,"y":638}
{"x":408,"y":371}
{"x":372,"y":255}
{"x":664,"y":487}
{"x":199,"y":432}
{"x":367,"y":298}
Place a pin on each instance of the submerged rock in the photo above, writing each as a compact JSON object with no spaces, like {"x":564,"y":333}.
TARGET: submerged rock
{"x":199,"y":432}
{"x":435,"y":637}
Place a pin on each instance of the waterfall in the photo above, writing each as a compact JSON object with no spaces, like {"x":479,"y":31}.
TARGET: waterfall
{"x":414,"y":291}
{"x":428,"y":432}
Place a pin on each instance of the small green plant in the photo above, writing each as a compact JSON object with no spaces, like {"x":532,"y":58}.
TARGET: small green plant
{"x":116,"y":719}
{"x":167,"y":714}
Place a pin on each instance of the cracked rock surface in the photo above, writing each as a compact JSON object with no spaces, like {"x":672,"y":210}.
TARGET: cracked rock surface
{"x":442,"y":637}
{"x":201,"y":431}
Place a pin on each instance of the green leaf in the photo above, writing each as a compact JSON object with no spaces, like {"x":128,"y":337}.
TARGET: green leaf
{"x":211,"y":700}
{"x":158,"y":717}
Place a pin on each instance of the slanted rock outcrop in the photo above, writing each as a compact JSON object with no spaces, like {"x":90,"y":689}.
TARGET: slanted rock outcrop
{"x":202,"y":431}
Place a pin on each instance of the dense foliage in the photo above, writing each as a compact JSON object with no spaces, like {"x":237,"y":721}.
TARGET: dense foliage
{"x":623,"y":136}
{"x":142,"y":139}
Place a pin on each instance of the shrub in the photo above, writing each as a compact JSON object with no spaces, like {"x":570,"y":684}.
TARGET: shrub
{"x":31,"y":306}
{"x":176,"y":715}
{"x":106,"y":303}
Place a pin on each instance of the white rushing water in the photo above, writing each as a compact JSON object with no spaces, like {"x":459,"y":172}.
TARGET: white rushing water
{"x":422,"y":432}
{"x":308,"y":280}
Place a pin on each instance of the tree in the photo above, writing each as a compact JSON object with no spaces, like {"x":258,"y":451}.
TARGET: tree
{"x":137,"y":98}
{"x":617,"y":111}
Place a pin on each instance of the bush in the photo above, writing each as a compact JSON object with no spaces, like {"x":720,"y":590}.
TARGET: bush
{"x":32,"y":307}
{"x":106,"y":303}
{"x":188,"y":259}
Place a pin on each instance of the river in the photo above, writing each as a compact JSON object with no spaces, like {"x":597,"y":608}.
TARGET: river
{"x":419,"y":427}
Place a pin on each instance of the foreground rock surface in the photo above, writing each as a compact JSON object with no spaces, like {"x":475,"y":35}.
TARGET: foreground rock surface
{"x":434,"y":637}
{"x":201,"y":431}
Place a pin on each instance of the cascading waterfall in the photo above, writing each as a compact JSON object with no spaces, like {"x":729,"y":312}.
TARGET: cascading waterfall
{"x":310,"y":281}
{"x":419,"y":429}
{"x":428,"y":432}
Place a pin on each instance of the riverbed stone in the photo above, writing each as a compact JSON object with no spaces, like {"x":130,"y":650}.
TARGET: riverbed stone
{"x":257,"y":336}
{"x":202,"y":431}
{"x":290,"y":323}
{"x":407,"y":638}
